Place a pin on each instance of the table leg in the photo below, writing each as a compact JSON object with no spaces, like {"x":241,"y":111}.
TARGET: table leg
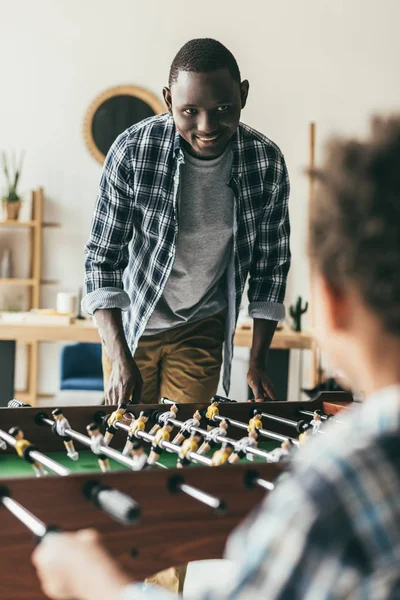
{"x":7,"y":370}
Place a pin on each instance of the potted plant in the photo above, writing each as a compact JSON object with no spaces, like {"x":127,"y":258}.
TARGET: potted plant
{"x":11,"y":199}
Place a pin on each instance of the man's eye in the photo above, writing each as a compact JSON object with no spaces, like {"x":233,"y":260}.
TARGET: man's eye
{"x":222,"y":108}
{"x":190,"y":111}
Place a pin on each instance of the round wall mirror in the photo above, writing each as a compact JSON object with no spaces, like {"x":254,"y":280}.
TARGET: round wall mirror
{"x":115,"y":110}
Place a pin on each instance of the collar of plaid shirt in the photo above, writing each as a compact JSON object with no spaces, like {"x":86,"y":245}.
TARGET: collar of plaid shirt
{"x":136,"y":213}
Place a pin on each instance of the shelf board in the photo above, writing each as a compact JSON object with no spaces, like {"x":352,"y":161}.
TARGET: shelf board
{"x":18,"y":224}
{"x":15,"y":281}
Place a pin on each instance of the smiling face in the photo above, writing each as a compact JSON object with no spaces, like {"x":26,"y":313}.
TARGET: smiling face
{"x":206,"y":109}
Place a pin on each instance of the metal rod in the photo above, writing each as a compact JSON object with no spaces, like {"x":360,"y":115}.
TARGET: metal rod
{"x":23,"y":515}
{"x":251,"y":479}
{"x":44,"y":460}
{"x":85,"y":440}
{"x":221,"y":439}
{"x":288,"y":422}
{"x":177,"y":483}
{"x":264,"y":432}
{"x":266,"y":485}
{"x":308,"y":413}
{"x":167,"y":445}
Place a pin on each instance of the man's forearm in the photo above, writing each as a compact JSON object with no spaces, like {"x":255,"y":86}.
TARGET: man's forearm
{"x":263,"y":332}
{"x":109,"y":324}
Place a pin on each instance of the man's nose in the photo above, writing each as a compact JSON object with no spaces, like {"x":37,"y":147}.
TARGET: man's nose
{"x":206,"y":124}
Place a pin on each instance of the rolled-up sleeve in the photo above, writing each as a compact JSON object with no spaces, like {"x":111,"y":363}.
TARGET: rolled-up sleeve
{"x":271,"y":254}
{"x":107,"y":252}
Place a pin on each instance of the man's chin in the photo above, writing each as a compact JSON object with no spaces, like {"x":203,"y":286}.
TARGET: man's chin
{"x":207,"y":151}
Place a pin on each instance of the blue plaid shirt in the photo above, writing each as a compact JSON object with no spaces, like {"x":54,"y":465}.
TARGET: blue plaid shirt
{"x":133,"y":239}
{"x":331,"y":529}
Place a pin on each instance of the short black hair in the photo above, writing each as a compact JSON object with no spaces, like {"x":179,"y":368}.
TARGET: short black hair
{"x":137,"y":444}
{"x":92,"y":427}
{"x":203,"y":55}
{"x":14,"y":431}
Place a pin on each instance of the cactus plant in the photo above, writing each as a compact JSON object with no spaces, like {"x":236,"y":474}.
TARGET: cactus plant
{"x":295,"y":312}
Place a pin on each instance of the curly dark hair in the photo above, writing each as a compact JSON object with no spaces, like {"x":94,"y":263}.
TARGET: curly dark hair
{"x":203,"y":55}
{"x":355,"y":219}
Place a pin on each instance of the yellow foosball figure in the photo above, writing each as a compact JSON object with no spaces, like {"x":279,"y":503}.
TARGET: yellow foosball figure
{"x":211,"y":412}
{"x":117,"y":415}
{"x":306,"y":434}
{"x":255,"y":422}
{"x":23,"y":448}
{"x":138,"y":424}
{"x":221,"y":456}
{"x":162,"y":435}
{"x":189,"y":445}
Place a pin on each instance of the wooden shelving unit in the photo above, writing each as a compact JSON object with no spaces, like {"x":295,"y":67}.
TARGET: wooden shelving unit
{"x":34,"y":282}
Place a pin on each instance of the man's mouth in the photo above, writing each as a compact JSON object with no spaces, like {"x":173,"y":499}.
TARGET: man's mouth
{"x":208,"y":139}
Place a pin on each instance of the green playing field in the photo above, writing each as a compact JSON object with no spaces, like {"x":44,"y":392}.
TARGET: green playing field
{"x":13,"y":466}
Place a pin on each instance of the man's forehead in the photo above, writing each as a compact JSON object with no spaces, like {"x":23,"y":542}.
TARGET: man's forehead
{"x":214,"y":86}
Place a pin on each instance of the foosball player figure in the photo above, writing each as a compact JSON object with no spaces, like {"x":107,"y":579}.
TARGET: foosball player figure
{"x":184,"y":432}
{"x":23,"y":447}
{"x":117,"y":415}
{"x":60,"y":425}
{"x":163,"y":418}
{"x":210,"y":440}
{"x":162,"y":435}
{"x":191,"y":444}
{"x":240,"y":451}
{"x":138,"y":424}
{"x":281,"y":453}
{"x":255,"y":422}
{"x":211,"y":412}
{"x":316,"y":421}
{"x":221,"y":456}
{"x":306,"y":434}
{"x":96,"y":443}
{"x":139,"y":455}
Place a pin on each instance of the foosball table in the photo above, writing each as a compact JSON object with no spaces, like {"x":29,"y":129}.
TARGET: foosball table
{"x":171,"y":512}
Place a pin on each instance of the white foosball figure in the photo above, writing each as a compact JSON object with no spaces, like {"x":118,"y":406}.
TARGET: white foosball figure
{"x":60,"y":425}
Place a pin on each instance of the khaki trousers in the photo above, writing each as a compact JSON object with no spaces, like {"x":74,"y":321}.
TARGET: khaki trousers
{"x":184,"y":365}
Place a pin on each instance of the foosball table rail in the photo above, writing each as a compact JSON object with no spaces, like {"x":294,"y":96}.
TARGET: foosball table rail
{"x":172,"y":529}
{"x":80,"y":416}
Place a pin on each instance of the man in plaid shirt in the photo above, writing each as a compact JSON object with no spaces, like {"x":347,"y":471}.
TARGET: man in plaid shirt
{"x":190,"y":204}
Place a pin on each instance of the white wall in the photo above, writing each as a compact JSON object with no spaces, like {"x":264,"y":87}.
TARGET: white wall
{"x":332,"y":62}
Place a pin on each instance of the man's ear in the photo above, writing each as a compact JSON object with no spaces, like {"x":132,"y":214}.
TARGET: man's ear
{"x":168,"y":99}
{"x":244,"y":92}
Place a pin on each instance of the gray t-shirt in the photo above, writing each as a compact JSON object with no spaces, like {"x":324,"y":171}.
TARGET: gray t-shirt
{"x":196,"y":287}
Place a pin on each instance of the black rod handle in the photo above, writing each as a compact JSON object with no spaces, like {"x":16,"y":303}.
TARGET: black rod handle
{"x":117,"y":505}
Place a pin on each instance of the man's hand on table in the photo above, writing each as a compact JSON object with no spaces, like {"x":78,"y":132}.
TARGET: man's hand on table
{"x":125,"y":383}
{"x":75,"y":565}
{"x":260,"y":383}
